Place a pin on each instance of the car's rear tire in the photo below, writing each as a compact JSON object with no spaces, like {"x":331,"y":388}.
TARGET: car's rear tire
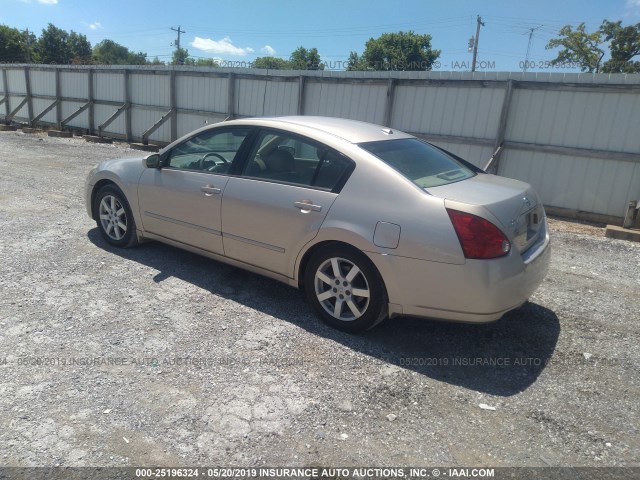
{"x":345,"y":289}
{"x":114,"y":218}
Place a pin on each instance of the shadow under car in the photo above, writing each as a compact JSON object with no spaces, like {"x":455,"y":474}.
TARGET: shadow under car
{"x":501,"y":358}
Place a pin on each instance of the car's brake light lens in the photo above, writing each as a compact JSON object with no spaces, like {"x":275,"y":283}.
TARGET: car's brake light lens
{"x":478,"y":237}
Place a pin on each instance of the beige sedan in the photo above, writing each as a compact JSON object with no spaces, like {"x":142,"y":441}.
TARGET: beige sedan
{"x":369,"y":221}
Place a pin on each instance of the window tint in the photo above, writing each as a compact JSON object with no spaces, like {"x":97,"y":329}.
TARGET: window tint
{"x":424,"y":164}
{"x":331,"y":170}
{"x":284,"y":158}
{"x":211,"y":151}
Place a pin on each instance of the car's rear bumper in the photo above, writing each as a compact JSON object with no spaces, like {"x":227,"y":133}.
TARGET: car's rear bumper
{"x":477,"y":291}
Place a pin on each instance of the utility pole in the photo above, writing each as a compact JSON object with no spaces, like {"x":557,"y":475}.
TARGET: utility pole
{"x":177,"y":43}
{"x":475,"y":44}
{"x":28,"y":44}
{"x":526,"y":59}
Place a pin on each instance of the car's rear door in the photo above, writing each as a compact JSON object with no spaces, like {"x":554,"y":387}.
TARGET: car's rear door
{"x":181,"y":201}
{"x":279,"y":202}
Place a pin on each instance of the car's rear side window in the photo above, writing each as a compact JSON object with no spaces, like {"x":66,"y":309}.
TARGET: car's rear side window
{"x":283,"y":157}
{"x":424,"y":164}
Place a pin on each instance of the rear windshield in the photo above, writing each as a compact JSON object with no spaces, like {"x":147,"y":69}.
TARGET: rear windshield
{"x":424,"y":164}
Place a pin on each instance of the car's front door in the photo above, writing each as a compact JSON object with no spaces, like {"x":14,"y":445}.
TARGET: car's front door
{"x":279,"y":202}
{"x":181,"y":201}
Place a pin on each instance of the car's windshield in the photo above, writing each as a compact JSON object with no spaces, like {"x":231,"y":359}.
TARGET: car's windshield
{"x":424,"y":164}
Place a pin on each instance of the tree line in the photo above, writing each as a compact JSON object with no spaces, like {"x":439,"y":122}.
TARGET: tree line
{"x":391,"y":51}
{"x":57,"y":46}
{"x":300,"y":59}
{"x":587,"y":50}
{"x":612,"y":48}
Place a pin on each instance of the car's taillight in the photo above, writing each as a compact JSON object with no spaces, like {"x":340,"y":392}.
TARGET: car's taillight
{"x":478,"y":237}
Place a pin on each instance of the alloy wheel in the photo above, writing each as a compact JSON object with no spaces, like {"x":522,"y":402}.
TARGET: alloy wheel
{"x":342,"y":289}
{"x":113,"y":217}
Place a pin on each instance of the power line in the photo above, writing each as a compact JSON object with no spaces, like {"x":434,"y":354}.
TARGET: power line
{"x":444,"y":22}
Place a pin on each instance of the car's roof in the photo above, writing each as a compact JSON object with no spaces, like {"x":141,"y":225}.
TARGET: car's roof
{"x":353,"y":131}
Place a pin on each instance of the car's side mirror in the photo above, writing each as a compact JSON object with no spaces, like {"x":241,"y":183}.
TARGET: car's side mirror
{"x":152,"y":161}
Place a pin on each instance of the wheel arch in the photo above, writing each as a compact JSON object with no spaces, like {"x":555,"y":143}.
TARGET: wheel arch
{"x":308,"y":254}
{"x":304,"y":261}
{"x":128,"y":191}
{"x":131,"y":236}
{"x":369,"y":315}
{"x":96,"y":187}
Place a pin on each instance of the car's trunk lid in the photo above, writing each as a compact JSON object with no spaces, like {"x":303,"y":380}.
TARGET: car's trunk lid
{"x":514,"y":204}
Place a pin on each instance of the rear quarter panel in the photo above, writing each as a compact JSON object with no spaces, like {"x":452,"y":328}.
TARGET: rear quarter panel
{"x":377,"y":193}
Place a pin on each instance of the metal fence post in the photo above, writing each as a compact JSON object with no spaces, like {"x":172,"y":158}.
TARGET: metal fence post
{"x":27,"y":81}
{"x":5,"y":89}
{"x":90,"y":101}
{"x":388,"y":107}
{"x":231,"y":95}
{"x":301,"y":84}
{"x":494,"y":162}
{"x":127,"y":100}
{"x":59,"y":99}
{"x":173,"y":105}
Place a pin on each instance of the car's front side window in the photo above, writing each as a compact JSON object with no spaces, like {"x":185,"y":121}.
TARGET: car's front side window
{"x":210,"y":151}
{"x":281,"y":157}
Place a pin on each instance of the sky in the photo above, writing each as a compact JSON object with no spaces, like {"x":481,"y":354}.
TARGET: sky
{"x":238,"y":31}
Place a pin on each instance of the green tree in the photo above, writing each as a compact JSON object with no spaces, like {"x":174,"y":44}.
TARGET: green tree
{"x":180,"y":56}
{"x":79,"y":48}
{"x":356,"y":62}
{"x":53,"y":46}
{"x":137,"y":58}
{"x":396,"y":51}
{"x":303,"y":59}
{"x":207,"y":62}
{"x":578,"y":47}
{"x":585,"y":49}
{"x":271,"y":63}
{"x":201,"y":62}
{"x":13,"y":45}
{"x":156,"y":61}
{"x":31,"y":47}
{"x":108,"y":52}
{"x":624,"y":46}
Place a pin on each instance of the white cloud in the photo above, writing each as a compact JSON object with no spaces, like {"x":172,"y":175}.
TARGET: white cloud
{"x":221,"y":47}
{"x":95,"y":26}
{"x":48,"y":2}
{"x":269,"y":50}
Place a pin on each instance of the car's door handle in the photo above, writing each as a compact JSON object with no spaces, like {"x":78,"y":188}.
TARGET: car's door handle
{"x":209,"y":190}
{"x":307,"y":206}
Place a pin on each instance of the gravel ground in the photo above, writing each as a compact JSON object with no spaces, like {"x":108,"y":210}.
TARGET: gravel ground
{"x":157,"y":356}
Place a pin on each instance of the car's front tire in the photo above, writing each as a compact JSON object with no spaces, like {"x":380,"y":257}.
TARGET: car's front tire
{"x":114,"y":218}
{"x":345,"y":288}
